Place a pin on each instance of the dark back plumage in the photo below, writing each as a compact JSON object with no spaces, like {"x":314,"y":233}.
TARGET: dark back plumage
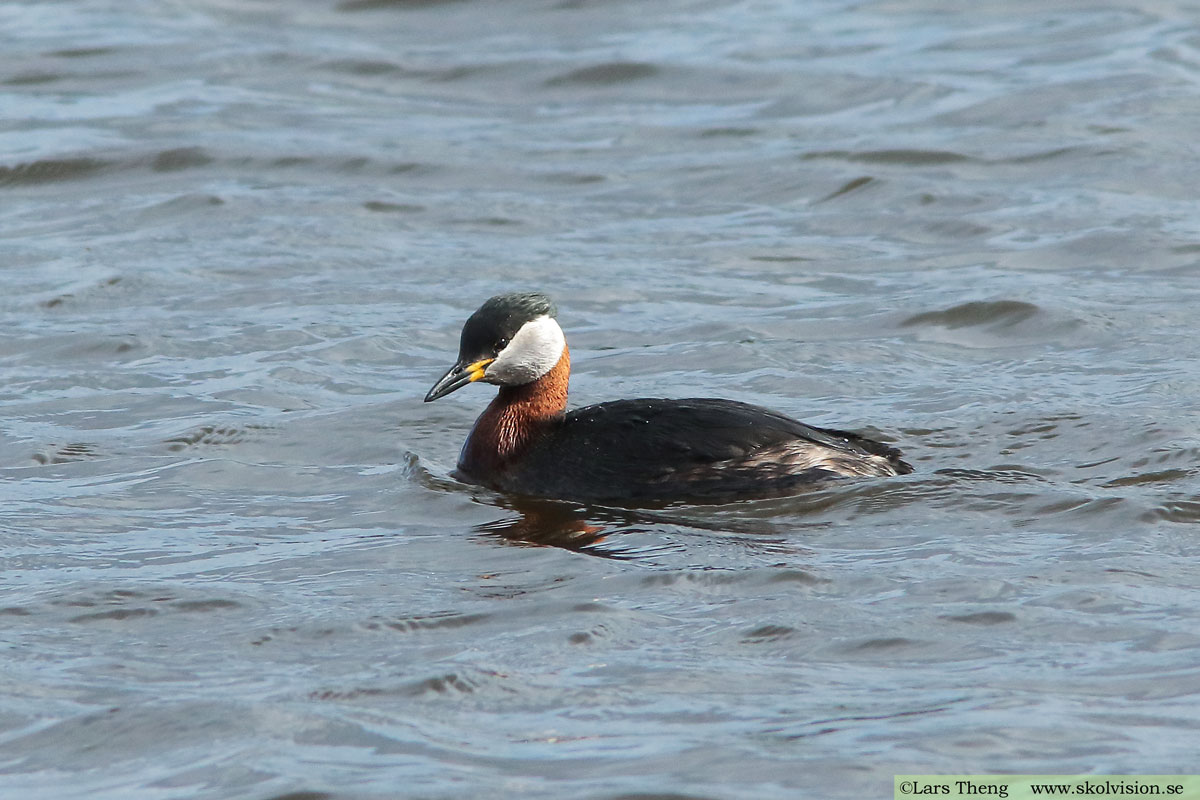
{"x":698,"y":449}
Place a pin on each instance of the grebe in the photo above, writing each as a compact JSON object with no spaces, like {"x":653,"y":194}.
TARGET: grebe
{"x":626,"y":451}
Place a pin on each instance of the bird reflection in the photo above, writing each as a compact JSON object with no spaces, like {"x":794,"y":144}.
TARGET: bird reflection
{"x":571,"y":526}
{"x":594,"y":530}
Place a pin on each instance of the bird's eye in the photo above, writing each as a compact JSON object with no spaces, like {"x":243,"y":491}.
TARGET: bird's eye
{"x":500,"y":345}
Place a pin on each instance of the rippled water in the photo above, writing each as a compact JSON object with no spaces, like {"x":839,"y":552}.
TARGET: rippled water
{"x":239,"y":240}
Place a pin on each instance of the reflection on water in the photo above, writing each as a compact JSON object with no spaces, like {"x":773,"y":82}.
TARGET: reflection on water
{"x":559,"y":524}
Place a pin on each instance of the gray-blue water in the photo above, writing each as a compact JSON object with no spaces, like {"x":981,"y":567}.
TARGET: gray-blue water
{"x":237,"y":243}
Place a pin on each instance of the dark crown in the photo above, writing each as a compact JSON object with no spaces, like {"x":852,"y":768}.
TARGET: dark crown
{"x":518,"y":305}
{"x":499,"y":318}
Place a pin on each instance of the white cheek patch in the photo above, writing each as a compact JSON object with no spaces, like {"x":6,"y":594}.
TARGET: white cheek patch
{"x":532,"y":353}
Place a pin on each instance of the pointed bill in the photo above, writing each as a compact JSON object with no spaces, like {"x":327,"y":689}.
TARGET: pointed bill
{"x":457,"y":377}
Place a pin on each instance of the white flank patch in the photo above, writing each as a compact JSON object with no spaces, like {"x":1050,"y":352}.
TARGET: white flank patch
{"x":532,"y":353}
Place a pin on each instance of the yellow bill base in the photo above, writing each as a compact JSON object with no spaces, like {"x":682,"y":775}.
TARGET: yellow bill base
{"x":476,"y":370}
{"x":1026,"y":787}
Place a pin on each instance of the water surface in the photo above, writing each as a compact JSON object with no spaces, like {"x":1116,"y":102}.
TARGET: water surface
{"x":239,"y":240}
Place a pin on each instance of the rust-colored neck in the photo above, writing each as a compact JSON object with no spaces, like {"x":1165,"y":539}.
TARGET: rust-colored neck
{"x":514,"y":418}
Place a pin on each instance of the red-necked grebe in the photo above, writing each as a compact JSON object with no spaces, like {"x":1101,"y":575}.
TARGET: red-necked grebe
{"x":627,"y":451}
